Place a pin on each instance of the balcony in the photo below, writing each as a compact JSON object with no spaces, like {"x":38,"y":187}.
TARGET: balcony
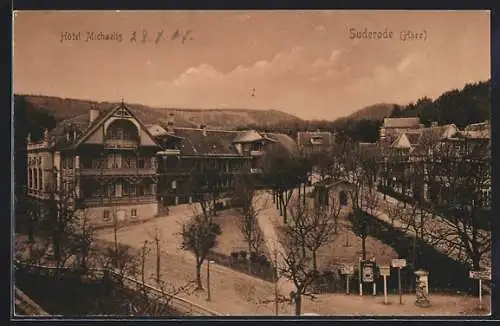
{"x":120,"y":144}
{"x":257,"y":153}
{"x":124,"y":200}
{"x":116,"y":171}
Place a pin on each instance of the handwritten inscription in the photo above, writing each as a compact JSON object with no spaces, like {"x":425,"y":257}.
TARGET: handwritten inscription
{"x":141,"y":37}
{"x":386,"y":34}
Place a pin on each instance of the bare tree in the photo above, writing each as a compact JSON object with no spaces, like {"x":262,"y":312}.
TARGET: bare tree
{"x":62,"y":219}
{"x":199,"y":235}
{"x":283,"y":172}
{"x":297,"y":265}
{"x":245,"y":199}
{"x":360,"y":171}
{"x":323,"y":226}
{"x":84,"y":239}
{"x":464,"y":172}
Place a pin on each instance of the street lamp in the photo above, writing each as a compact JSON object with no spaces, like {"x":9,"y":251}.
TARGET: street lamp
{"x":208,"y":279}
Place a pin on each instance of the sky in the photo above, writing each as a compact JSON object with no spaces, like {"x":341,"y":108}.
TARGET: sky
{"x":307,"y":63}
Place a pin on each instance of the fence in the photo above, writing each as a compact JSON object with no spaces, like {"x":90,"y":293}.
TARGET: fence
{"x":183,"y":306}
{"x":25,"y":306}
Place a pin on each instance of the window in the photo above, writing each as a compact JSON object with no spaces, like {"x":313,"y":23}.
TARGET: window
{"x":111,"y":190}
{"x":132,"y":189}
{"x":64,"y":163}
{"x":125,"y":189}
{"x":343,"y":198}
{"x":133,"y":212}
{"x":40,"y":179}
{"x":30,"y":178}
{"x":119,"y":133}
{"x":35,"y":178}
{"x":141,"y":163}
{"x":126,"y":162}
{"x":70,"y":163}
{"x":105,"y":216}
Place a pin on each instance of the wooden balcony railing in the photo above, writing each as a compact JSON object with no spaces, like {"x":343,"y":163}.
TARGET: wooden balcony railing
{"x":116,"y":171}
{"x":121,"y":143}
{"x":96,"y":201}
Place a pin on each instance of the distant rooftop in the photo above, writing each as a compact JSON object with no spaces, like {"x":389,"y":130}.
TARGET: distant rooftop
{"x":402,"y":122}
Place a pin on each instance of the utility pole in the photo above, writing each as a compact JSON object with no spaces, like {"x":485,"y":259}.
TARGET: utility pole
{"x":275,"y":280}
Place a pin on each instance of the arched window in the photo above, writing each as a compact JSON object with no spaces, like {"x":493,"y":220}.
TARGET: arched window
{"x":122,"y":129}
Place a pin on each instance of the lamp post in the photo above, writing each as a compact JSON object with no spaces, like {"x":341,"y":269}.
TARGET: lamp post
{"x":209,"y":298}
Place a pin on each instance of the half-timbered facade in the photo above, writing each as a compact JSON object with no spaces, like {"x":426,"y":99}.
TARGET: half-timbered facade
{"x":105,"y":161}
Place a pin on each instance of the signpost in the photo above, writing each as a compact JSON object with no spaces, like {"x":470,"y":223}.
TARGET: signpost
{"x":385,"y":271}
{"x":347,"y":270}
{"x":399,"y":263}
{"x":480,"y":276}
{"x":367,"y":271}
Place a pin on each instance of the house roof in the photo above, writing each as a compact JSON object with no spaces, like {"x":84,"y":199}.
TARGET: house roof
{"x":156,"y":130}
{"x":285,"y":141}
{"x":304,"y":138}
{"x":79,"y":124}
{"x":82,"y":127}
{"x":478,"y":126}
{"x":247,"y":136}
{"x":197,"y":141}
{"x":402,"y":122}
{"x":401,"y":142}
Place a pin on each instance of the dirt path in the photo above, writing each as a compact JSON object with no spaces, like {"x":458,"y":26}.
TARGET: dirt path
{"x":274,"y":247}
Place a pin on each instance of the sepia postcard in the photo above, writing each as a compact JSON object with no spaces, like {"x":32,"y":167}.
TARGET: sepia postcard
{"x":251,"y":163}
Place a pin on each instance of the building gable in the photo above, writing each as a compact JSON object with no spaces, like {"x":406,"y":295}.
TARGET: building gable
{"x":401,"y":142}
{"x":96,"y":134}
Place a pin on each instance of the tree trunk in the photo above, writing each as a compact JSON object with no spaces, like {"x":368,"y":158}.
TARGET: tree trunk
{"x":303,"y":196}
{"x":298,"y":303}
{"x":115,"y":230}
{"x":198,"y":276}
{"x":315,"y":265}
{"x":284,"y":206}
{"x":363,"y":247}
{"x":300,"y":191}
{"x":249,"y":256}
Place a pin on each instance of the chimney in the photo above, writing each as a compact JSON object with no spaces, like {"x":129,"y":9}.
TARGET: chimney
{"x":434,"y":124}
{"x":203,"y":127}
{"x":93,"y":115}
{"x":28,"y":138}
{"x":46,"y":134}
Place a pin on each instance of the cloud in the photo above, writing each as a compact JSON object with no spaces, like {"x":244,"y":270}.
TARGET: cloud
{"x":332,"y":60}
{"x":194,"y":75}
{"x":261,"y":71}
{"x":404,"y":63}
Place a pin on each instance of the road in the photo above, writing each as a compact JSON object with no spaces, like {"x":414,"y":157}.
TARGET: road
{"x":269,"y":212}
